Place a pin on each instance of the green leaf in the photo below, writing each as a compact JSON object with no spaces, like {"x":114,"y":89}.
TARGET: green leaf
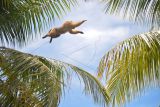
{"x":22,"y":20}
{"x":145,"y":12}
{"x":134,"y":66}
{"x":28,"y":80}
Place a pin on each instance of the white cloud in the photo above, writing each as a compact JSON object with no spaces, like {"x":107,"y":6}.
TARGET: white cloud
{"x":101,"y":32}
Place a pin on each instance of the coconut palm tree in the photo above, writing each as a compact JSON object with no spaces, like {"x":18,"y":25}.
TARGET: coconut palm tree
{"x":134,"y":64}
{"x":131,"y":66}
{"x":28,"y":80}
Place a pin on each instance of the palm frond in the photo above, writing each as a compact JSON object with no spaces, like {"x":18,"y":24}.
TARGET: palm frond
{"x":28,"y":80}
{"x":132,"y":66}
{"x":20,"y":20}
{"x":141,"y":11}
{"x":93,"y":87}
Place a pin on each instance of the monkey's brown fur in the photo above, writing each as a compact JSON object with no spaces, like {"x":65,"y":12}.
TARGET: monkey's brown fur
{"x":68,"y":26}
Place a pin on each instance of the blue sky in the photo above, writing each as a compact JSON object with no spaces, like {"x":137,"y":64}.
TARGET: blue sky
{"x":101,"y":33}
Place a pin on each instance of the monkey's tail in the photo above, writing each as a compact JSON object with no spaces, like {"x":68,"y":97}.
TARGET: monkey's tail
{"x":44,"y":36}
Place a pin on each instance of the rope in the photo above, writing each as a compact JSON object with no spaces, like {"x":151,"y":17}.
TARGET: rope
{"x":95,"y":52}
{"x":85,"y":47}
{"x":73,"y":53}
{"x":78,"y":62}
{"x":79,"y":49}
{"x":72,"y":48}
{"x":39,"y":47}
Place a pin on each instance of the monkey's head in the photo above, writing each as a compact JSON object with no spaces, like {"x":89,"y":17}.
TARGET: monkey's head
{"x":53,"y":32}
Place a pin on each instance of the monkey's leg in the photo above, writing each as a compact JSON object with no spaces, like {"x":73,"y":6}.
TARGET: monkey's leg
{"x":73,"y":31}
{"x":76,"y":24}
{"x":54,"y":37}
{"x":51,"y":40}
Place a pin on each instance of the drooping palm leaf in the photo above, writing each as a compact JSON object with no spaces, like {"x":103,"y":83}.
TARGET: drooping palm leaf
{"x":132,"y":66}
{"x":25,"y":77}
{"x":141,"y":11}
{"x":21,"y":19}
{"x":28,"y":80}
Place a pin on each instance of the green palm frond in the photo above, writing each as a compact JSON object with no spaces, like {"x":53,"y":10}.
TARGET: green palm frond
{"x":132,"y":66}
{"x":20,"y":20}
{"x":93,"y":87}
{"x":141,"y":11}
{"x":28,"y":80}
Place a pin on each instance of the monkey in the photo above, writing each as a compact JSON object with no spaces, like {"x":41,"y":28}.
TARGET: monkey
{"x":68,"y":26}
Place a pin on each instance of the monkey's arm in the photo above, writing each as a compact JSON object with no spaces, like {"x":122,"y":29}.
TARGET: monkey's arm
{"x":76,"y":24}
{"x":73,"y":31}
{"x":68,"y":25}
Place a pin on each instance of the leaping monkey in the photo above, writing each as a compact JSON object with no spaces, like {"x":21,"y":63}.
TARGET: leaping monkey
{"x":68,"y":26}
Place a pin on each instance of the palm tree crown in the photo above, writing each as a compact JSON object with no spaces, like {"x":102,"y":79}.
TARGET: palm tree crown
{"x":28,"y":80}
{"x":133,"y":65}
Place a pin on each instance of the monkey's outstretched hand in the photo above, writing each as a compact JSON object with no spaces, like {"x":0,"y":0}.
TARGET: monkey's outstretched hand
{"x":68,"y":26}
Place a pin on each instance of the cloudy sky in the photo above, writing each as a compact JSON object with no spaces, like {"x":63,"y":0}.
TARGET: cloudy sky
{"x":101,"y":33}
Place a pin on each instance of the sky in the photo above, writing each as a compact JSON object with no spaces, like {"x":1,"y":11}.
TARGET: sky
{"x":101,"y":33}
